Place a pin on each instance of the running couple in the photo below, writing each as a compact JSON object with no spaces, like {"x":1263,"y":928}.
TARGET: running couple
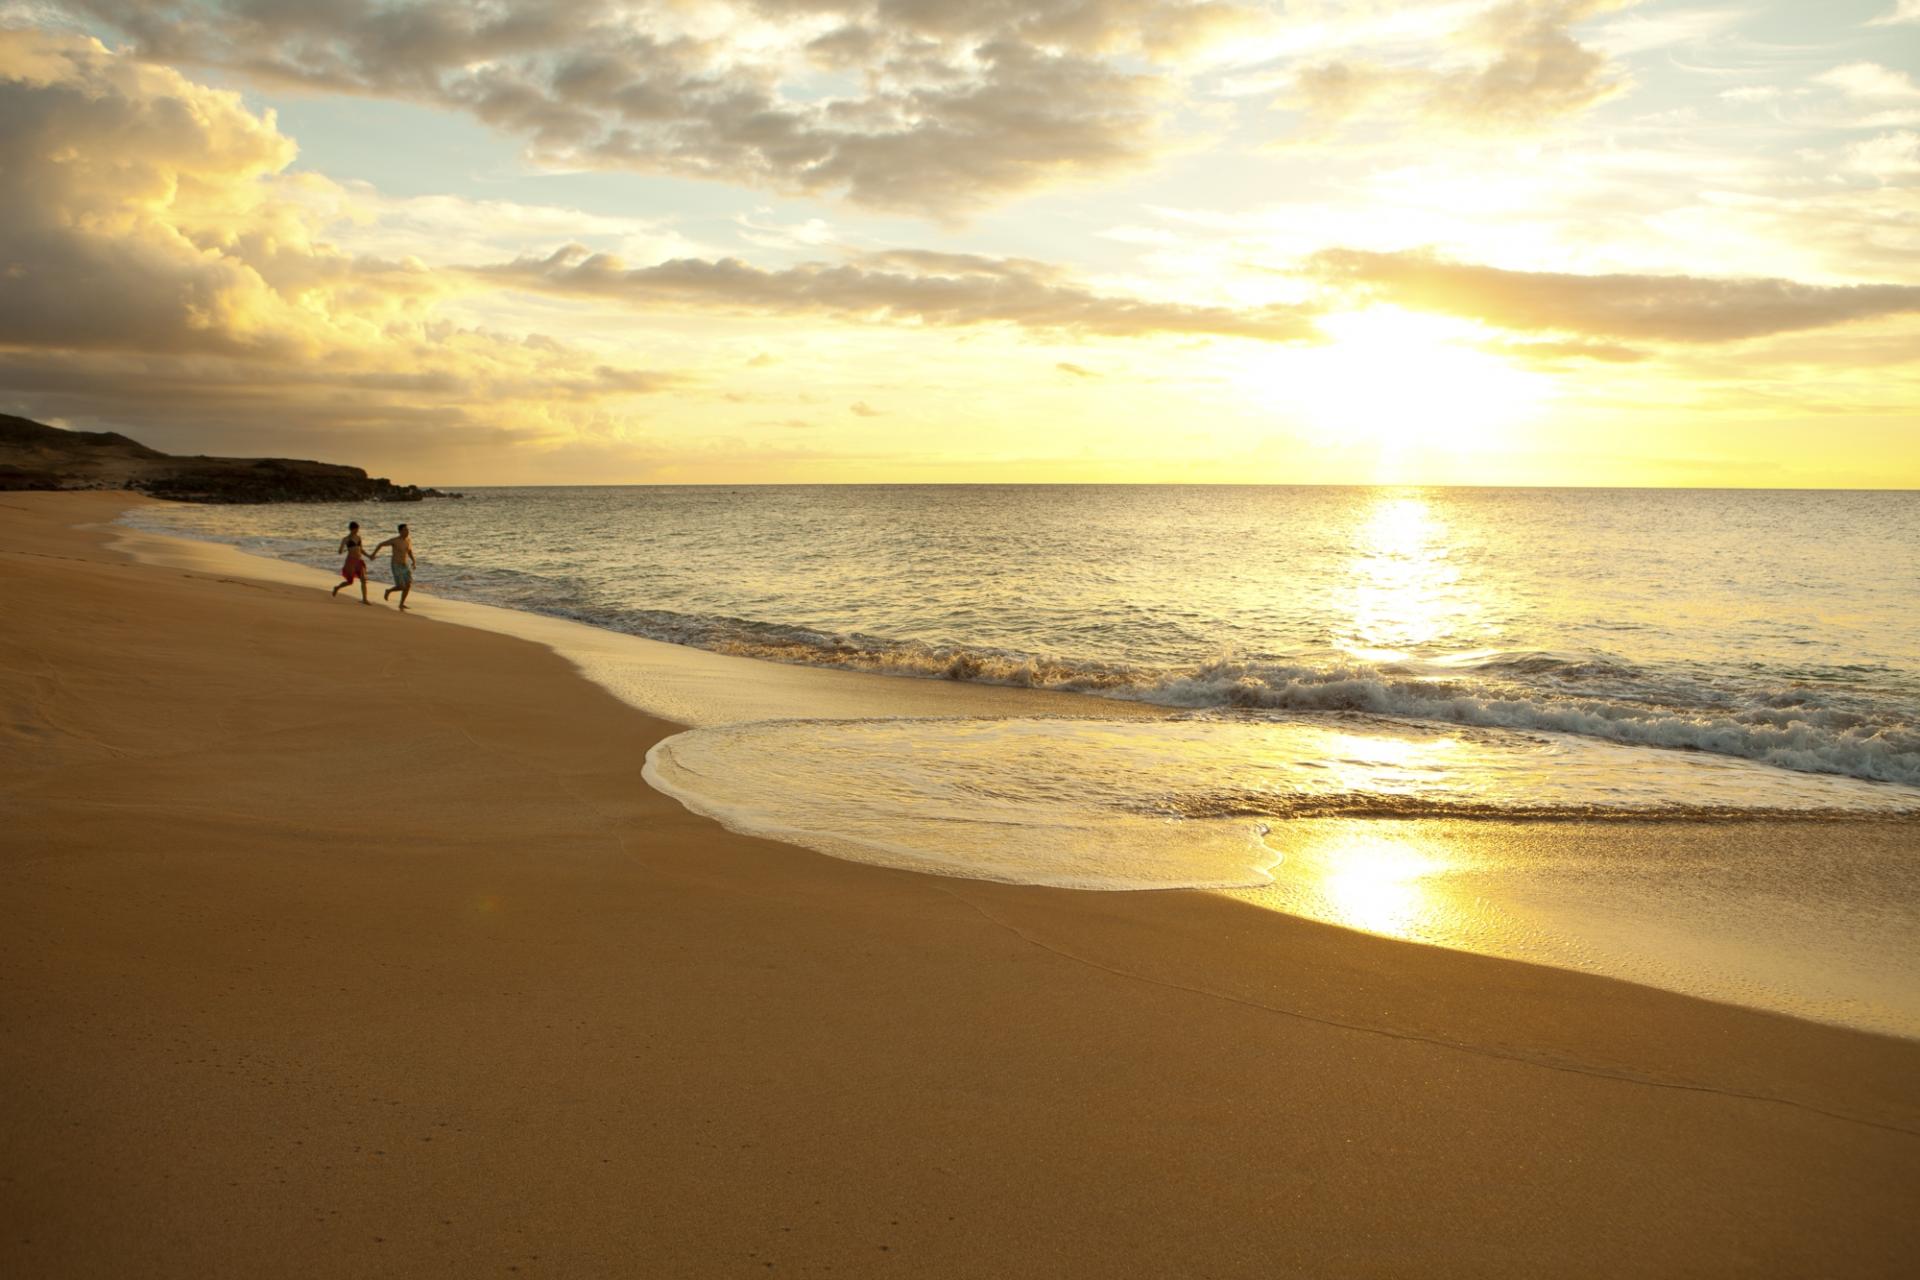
{"x":358,"y":558}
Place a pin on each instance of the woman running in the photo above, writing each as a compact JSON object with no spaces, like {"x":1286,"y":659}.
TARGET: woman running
{"x":356,"y":565}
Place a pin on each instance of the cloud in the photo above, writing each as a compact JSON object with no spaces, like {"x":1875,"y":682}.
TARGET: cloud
{"x":1685,"y":309}
{"x":814,"y":233}
{"x":861,"y":409}
{"x":1888,"y":157}
{"x":140,"y":212}
{"x":1902,"y":11}
{"x":1870,"y":82}
{"x":1561,"y":352}
{"x":155,"y":256}
{"x":932,"y":108}
{"x":163,"y":269}
{"x":1667,"y":28}
{"x":910,"y":287}
{"x":1753,"y":93}
{"x":1516,"y":65}
{"x":439,"y":229}
{"x":205,"y":404}
{"x":1078,"y":371}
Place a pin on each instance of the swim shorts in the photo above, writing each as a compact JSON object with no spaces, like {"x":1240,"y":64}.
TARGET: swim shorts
{"x":402,"y":575}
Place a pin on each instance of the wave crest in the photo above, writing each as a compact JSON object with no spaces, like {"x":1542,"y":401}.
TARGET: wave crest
{"x":1805,"y":736}
{"x":1812,"y":725}
{"x":1367,"y":804}
{"x":1793,"y":728}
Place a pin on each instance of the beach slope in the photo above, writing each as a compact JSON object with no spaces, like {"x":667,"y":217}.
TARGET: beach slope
{"x":340,"y":942}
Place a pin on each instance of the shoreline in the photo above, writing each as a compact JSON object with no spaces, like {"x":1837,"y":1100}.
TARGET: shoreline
{"x":1410,"y":690}
{"x":1435,"y":879}
{"x":535,"y":1008}
{"x":686,"y":686}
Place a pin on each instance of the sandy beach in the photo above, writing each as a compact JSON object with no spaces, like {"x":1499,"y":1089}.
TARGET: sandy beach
{"x":337,"y":942}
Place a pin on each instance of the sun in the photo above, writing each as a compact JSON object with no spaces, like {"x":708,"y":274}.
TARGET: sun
{"x":1403,"y":383}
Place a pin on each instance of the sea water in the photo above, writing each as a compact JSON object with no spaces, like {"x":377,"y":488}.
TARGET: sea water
{"x":1356,"y":655}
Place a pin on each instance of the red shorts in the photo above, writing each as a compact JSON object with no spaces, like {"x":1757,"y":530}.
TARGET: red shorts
{"x":354,"y":569}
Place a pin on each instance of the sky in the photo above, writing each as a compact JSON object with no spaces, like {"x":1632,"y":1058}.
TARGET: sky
{"x":1539,"y":242}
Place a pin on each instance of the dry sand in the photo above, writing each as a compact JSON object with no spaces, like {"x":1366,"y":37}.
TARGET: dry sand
{"x":337,"y":942}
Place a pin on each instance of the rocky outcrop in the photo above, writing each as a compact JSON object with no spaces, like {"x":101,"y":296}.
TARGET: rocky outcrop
{"x":276,"y":480}
{"x":36,"y":456}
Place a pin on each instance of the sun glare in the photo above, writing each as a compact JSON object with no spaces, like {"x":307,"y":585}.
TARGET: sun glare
{"x":1381,"y":885}
{"x":1404,"y":383}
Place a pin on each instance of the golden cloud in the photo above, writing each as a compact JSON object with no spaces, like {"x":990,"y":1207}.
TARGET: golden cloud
{"x":155,"y":253}
{"x":1515,"y":65}
{"x":959,"y":105}
{"x":164,"y":269}
{"x":1686,"y":309}
{"x":900,"y":287}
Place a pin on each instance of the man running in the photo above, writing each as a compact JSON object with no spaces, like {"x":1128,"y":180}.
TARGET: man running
{"x":402,"y":544}
{"x":356,"y":565}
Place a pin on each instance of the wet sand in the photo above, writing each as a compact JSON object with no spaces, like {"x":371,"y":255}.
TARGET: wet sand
{"x":338,"y":942}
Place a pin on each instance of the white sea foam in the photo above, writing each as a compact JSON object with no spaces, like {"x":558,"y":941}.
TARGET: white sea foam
{"x":1209,"y":797}
{"x":1789,"y":729}
{"x":951,"y":803}
{"x":1217,"y":802}
{"x":1676,"y":620}
{"x":1162,"y":804}
{"x":1809,"y":738}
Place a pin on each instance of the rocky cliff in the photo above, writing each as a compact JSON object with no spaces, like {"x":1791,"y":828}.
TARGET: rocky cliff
{"x":35,"y":456}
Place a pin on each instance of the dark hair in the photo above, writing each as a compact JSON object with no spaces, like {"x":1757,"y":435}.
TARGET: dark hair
{"x":353,"y":524}
{"x":403,"y":528}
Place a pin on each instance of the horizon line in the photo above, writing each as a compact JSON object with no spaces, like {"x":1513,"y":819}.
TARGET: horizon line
{"x":1176,"y":484}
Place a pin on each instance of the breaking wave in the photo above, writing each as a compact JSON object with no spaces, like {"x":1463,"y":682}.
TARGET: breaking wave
{"x":1789,"y":729}
{"x":1366,"y":804}
{"x":1820,"y":720}
{"x":1801,"y":728}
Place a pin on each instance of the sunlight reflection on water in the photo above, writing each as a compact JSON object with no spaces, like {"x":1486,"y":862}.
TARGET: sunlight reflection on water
{"x":1408,"y":593}
{"x":1381,"y":885}
{"x":1492,"y":654}
{"x":1759,"y":914}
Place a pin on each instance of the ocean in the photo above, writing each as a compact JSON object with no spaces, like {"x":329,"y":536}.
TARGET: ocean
{"x":1245,"y":658}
